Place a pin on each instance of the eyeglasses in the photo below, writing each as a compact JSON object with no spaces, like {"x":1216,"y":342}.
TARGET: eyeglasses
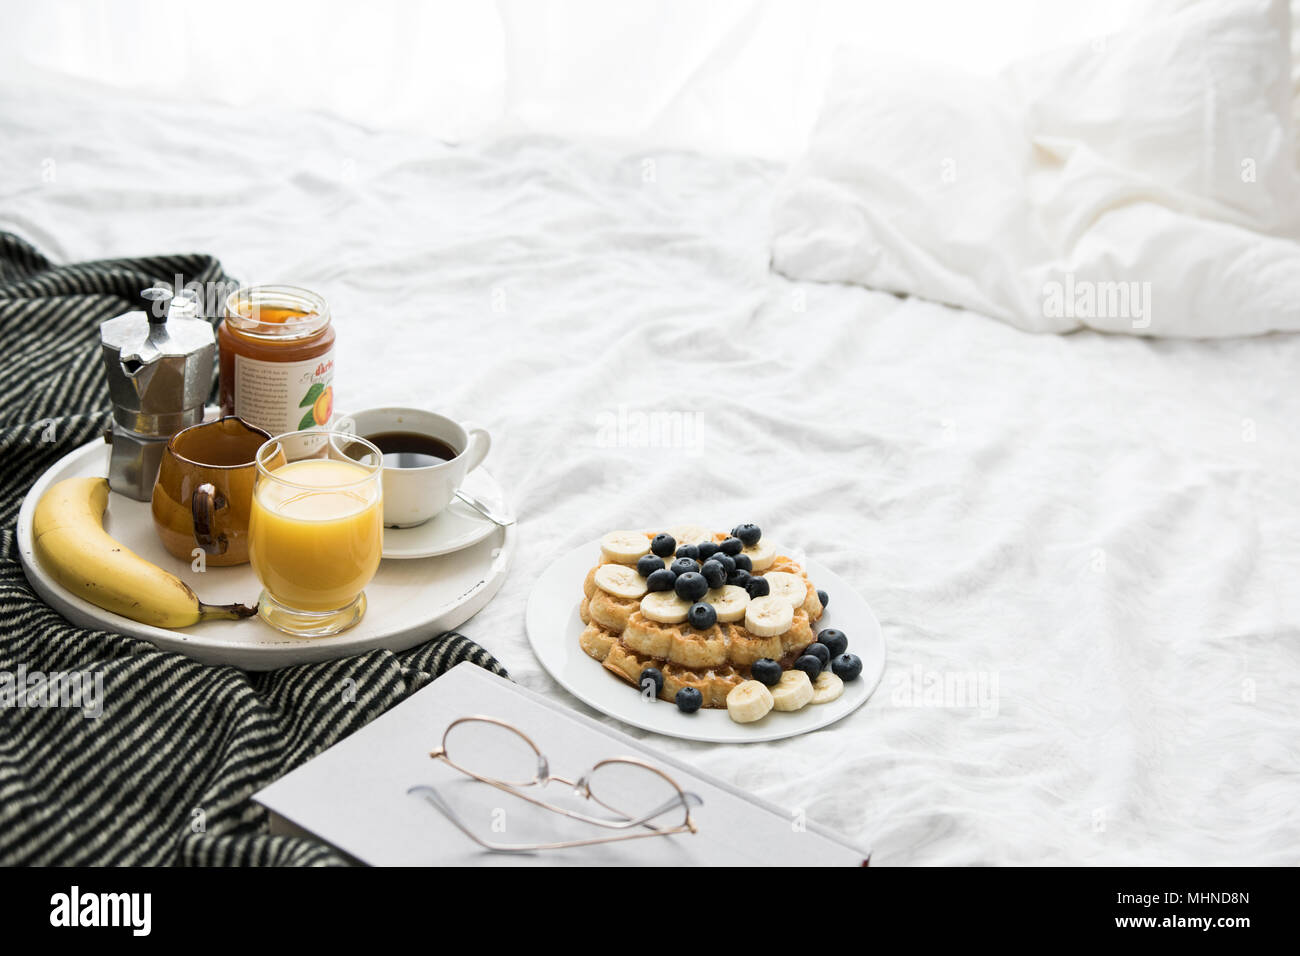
{"x":641,"y":800}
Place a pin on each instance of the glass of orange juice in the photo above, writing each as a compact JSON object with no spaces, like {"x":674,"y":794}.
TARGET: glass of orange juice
{"x":316,"y":529}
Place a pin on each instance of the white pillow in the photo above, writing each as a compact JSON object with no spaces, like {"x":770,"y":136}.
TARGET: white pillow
{"x":1145,"y":182}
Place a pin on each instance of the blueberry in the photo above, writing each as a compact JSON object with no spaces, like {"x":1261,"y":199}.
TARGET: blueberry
{"x":691,"y":586}
{"x":747,"y":533}
{"x":682,"y":565}
{"x":823,"y":597}
{"x":689,"y":700}
{"x":714,"y":573}
{"x":663,"y":545}
{"x":758,"y":586}
{"x":847,"y":667}
{"x":702,"y":616}
{"x":766,"y":671}
{"x":654,"y":676}
{"x":648,"y":565}
{"x":836,"y":642}
{"x":688,"y":551}
{"x":809,"y":664}
{"x":727,"y":561}
{"x":731,"y":546}
{"x":707,"y":549}
{"x":819,"y":651}
{"x":739,"y":578}
{"x":743,"y":562}
{"x":661,"y":580}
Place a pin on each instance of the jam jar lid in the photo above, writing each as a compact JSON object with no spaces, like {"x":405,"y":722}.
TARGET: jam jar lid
{"x":277,"y":312}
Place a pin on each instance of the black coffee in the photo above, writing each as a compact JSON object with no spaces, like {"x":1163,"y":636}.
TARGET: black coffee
{"x":411,"y":449}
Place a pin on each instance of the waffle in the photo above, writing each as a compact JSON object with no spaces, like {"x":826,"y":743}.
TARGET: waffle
{"x":607,"y":610}
{"x":713,"y":683}
{"x":617,"y":614}
{"x":718,"y":645}
{"x":712,"y":660}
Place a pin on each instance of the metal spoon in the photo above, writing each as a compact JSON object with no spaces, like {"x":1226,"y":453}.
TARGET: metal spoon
{"x":485,"y":511}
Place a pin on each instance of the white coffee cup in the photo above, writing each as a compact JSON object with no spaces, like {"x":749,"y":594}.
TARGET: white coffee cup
{"x":414,"y":495}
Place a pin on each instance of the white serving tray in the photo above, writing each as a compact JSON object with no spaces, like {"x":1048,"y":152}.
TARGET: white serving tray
{"x":408,"y":601}
{"x":554,"y":626}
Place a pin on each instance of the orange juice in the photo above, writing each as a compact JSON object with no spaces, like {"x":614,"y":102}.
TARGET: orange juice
{"x":316,"y":532}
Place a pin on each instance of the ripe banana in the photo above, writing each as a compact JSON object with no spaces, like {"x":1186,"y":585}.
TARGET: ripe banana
{"x":620,"y":581}
{"x":790,"y":587}
{"x":664,"y":607}
{"x":792,"y":691}
{"x":690,"y":534}
{"x":749,"y":701}
{"x":760,"y":555}
{"x":768,"y":616}
{"x":71,"y":543}
{"x":624,"y":547}
{"x":826,"y":688}
{"x":729,"y":601}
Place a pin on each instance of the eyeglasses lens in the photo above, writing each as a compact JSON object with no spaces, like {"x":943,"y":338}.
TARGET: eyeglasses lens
{"x":492,"y":751}
{"x":635,"y":792}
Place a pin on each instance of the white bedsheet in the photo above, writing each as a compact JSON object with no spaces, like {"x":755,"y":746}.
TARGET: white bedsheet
{"x":1107,"y":527}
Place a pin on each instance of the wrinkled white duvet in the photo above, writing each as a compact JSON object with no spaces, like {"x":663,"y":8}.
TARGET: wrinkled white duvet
{"x":1089,"y":543}
{"x":1143,"y":183}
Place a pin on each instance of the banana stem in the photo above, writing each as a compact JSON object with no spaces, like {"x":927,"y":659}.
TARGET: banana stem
{"x":208,"y":612}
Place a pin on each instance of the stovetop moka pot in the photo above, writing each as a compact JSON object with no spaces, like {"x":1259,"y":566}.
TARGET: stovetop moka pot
{"x":160,"y":364}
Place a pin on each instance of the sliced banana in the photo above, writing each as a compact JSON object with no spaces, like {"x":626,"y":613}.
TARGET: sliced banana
{"x":761,"y":555}
{"x":664,"y":607}
{"x":624,"y":547}
{"x":690,"y":534}
{"x":826,"y":688}
{"x":749,"y":701}
{"x":792,"y":691}
{"x":620,"y":581}
{"x":768,"y":616}
{"x":789,"y":586}
{"x":729,"y":601}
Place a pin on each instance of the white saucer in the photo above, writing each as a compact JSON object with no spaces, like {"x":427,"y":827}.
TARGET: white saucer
{"x":456,"y":527}
{"x":554,"y":626}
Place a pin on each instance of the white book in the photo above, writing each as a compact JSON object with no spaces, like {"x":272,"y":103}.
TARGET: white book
{"x":355,"y":797}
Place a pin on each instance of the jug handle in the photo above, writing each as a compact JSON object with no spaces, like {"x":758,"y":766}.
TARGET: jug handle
{"x":204,"y":503}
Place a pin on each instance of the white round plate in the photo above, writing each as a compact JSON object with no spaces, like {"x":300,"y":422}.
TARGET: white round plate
{"x":455,"y":527}
{"x":407,"y":602}
{"x":554,"y":626}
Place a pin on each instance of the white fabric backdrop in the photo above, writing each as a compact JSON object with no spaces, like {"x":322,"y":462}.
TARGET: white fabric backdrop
{"x":1107,"y":526}
{"x":744,"y":76}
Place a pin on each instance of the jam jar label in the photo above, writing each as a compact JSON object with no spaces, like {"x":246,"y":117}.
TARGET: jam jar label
{"x":285,"y":396}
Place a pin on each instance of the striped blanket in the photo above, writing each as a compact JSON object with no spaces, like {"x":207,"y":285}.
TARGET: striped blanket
{"x":163,"y":774}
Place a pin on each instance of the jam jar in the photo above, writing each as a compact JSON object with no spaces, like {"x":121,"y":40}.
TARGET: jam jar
{"x":277,"y":358}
